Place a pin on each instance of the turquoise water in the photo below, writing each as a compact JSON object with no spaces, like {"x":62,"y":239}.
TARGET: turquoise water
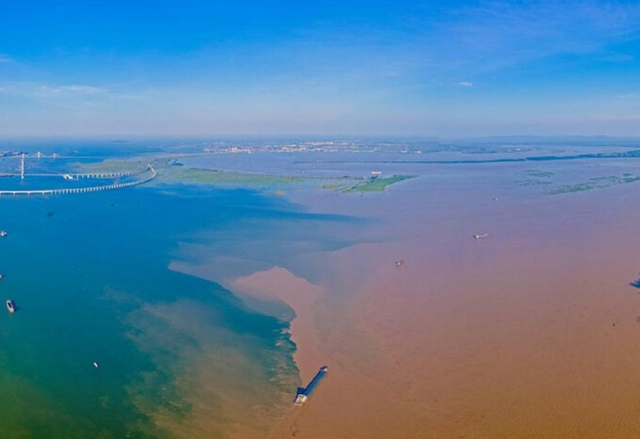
{"x":89,"y":275}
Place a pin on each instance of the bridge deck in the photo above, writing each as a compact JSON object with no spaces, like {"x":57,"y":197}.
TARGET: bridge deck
{"x":107,"y":187}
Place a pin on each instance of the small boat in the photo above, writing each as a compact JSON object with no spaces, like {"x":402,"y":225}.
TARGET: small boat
{"x":480,"y":236}
{"x":10,"y":306}
{"x":3,"y":233}
{"x":399,"y":263}
{"x":95,"y":364}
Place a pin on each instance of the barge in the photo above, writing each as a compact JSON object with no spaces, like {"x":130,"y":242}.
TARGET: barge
{"x":304,"y":393}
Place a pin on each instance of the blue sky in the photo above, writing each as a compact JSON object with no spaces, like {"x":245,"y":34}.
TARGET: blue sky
{"x":430,"y":68}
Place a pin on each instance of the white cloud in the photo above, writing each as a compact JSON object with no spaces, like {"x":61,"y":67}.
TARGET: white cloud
{"x":466,"y":84}
{"x":627,"y":96}
{"x":624,"y":117}
{"x":67,"y":90}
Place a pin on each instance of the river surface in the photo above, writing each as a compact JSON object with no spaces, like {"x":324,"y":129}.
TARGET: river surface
{"x":89,"y":276}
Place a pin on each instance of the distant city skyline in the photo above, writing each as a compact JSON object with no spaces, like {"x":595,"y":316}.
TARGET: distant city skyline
{"x":397,"y":68}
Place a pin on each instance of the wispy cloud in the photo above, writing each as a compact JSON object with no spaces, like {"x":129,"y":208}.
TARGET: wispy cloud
{"x":626,"y":96}
{"x":622,"y":117}
{"x":492,"y":36}
{"x":66,"y":90}
{"x":496,"y":34}
{"x":5,"y":58}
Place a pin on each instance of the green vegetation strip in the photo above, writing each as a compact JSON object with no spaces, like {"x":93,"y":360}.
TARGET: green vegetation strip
{"x":377,"y":184}
{"x":595,"y":183}
{"x":206,"y":176}
{"x":171,"y":171}
{"x":112,"y":165}
{"x":536,"y":173}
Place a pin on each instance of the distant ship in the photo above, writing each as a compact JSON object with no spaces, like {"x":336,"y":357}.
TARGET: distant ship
{"x":3,"y":233}
{"x":480,"y":236}
{"x":304,"y":394}
{"x":10,"y":306}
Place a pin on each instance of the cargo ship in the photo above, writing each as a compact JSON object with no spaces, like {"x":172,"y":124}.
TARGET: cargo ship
{"x":304,"y":393}
{"x":10,"y":306}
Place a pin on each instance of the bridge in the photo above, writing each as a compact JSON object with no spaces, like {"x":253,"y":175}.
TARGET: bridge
{"x":153,"y":174}
{"x":70,"y":176}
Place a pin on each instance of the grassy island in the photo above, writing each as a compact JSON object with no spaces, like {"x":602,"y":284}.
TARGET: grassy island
{"x":376,"y":184}
{"x":207,"y":176}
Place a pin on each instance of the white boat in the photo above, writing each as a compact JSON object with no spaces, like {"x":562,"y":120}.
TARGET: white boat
{"x":10,"y":306}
